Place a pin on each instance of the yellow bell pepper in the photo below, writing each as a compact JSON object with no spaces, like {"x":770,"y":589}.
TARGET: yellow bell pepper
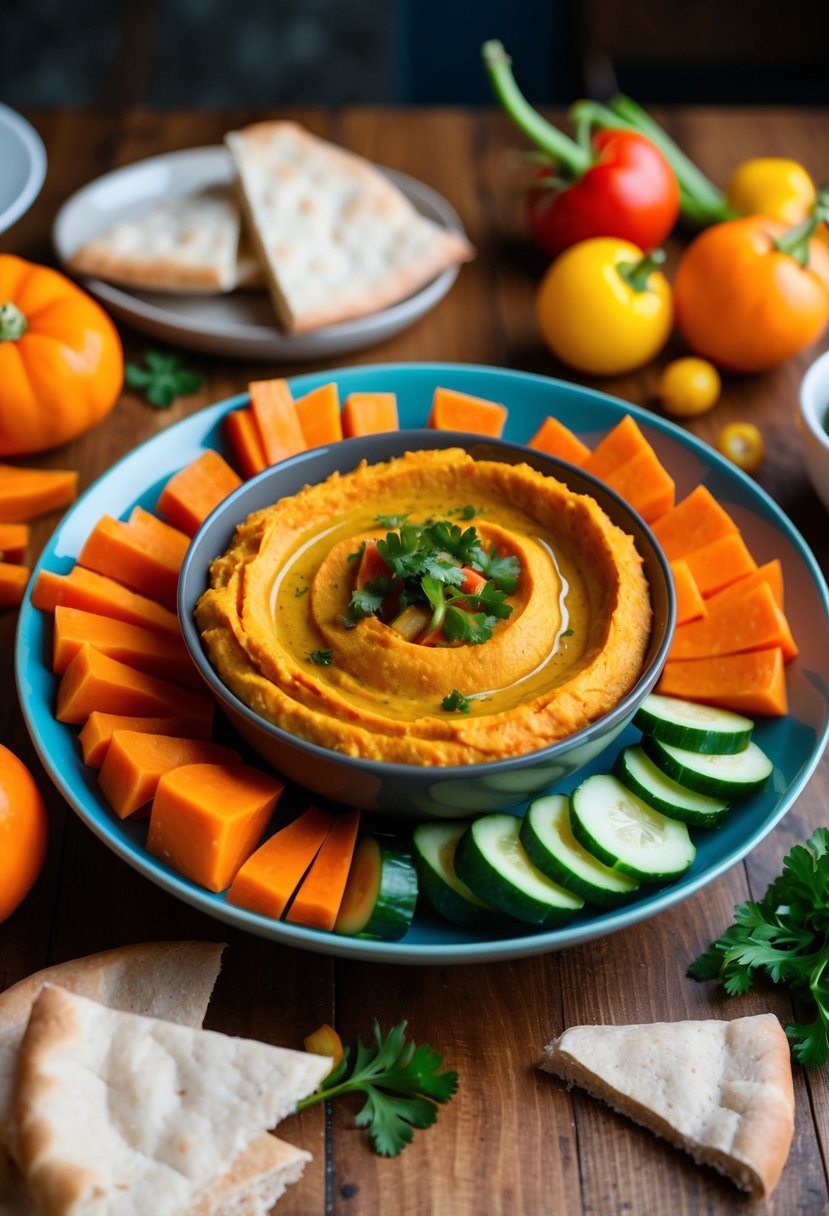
{"x":603,"y":307}
{"x":772,"y":185}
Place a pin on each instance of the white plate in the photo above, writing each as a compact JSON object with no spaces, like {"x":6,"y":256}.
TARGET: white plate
{"x":241,"y":324}
{"x":22,"y":166}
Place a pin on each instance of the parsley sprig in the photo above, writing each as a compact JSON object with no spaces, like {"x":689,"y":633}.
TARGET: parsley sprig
{"x":163,"y":378}
{"x":785,"y":936}
{"x":402,"y":1084}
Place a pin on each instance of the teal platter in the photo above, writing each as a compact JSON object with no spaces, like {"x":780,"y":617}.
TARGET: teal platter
{"x":794,"y":743}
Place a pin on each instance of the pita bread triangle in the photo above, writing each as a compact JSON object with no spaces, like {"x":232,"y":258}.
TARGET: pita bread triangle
{"x":722,"y":1091}
{"x":258,"y":1177}
{"x":336,"y":238}
{"x":166,"y":1109}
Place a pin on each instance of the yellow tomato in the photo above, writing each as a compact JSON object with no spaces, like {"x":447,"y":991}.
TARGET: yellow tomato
{"x":772,"y":185}
{"x":23,"y":832}
{"x":688,"y":387}
{"x":743,"y":444}
{"x":604,"y":308}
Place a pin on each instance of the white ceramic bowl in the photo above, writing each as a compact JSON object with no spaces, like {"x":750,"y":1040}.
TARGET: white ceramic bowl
{"x":814,"y":417}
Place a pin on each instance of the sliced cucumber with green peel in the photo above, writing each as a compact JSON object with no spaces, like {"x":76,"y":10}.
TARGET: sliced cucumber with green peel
{"x":699,"y":728}
{"x":551,"y":846}
{"x":492,"y":862}
{"x":627,"y":834}
{"x":434,"y":848}
{"x":381,"y":892}
{"x":642,"y":777}
{"x":722,"y":776}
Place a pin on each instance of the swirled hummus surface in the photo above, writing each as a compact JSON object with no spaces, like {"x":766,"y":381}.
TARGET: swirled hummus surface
{"x":277,"y":626}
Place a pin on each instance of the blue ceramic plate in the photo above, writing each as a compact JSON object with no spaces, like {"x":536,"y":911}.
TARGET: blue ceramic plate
{"x":22,"y":166}
{"x":795,"y":742}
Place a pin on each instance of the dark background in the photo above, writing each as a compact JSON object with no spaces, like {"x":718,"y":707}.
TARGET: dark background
{"x":118,"y":53}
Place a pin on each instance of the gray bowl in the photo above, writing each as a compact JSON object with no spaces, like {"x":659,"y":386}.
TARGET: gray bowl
{"x":407,"y":789}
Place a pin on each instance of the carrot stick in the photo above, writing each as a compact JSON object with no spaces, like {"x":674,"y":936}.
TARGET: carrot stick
{"x":13,"y":580}
{"x":689,"y":601}
{"x":129,"y":555}
{"x":276,"y":417}
{"x":93,"y":681}
{"x":242,"y":434}
{"x":14,"y":540}
{"x":750,"y":683}
{"x":159,"y":654}
{"x":696,"y":521}
{"x":455,"y":411}
{"x":318,"y":899}
{"x":136,"y":761}
{"x":554,"y":438}
{"x":619,"y":445}
{"x":270,"y":876}
{"x":192,"y":493}
{"x":751,"y":622}
{"x":93,"y":592}
{"x":319,"y":416}
{"x":163,"y":538}
{"x":643,"y":483}
{"x":97,"y":733}
{"x":27,"y":493}
{"x":720,"y":563}
{"x":771,"y":573}
{"x":369,"y":414}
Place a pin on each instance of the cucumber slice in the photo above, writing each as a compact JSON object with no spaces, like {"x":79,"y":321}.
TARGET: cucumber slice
{"x":434,"y":848}
{"x":491,"y":860}
{"x":699,"y":728}
{"x":550,"y":845}
{"x":627,"y":834}
{"x":720,"y":776}
{"x":380,"y":894}
{"x":642,"y":777}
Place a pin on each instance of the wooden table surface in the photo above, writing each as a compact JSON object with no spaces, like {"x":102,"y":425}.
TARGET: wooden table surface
{"x":513,"y":1141}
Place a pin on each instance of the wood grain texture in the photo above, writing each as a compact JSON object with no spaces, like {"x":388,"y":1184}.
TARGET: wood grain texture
{"x":514,"y":1140}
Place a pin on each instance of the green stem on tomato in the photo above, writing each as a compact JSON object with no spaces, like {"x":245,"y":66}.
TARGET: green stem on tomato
{"x":702,"y":203}
{"x":13,"y":323}
{"x":566,"y":153}
{"x":795,"y":242}
{"x":636,"y":274}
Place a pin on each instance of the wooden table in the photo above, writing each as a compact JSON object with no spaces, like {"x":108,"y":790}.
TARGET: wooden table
{"x":514,"y":1141}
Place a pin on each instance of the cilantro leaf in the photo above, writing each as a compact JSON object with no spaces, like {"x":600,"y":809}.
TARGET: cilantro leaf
{"x":402,"y":1085}
{"x":489,"y":599}
{"x":456,"y":701}
{"x":785,"y":937}
{"x":322,"y":658}
{"x":368,"y":600}
{"x":471,"y":627}
{"x":390,"y":521}
{"x":504,"y":571}
{"x":163,"y":378}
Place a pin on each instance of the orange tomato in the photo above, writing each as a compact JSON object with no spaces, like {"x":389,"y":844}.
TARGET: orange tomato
{"x":743,"y":303}
{"x":23,"y":832}
{"x":61,"y":363}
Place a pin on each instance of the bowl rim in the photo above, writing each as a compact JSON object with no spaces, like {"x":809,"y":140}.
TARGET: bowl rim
{"x":809,"y":406}
{"x":616,"y":716}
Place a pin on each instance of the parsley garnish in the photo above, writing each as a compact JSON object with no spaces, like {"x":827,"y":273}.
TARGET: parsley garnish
{"x":402,"y":1085}
{"x":298,"y":591}
{"x":567,"y":633}
{"x":322,"y":658}
{"x":465,"y":512}
{"x":358,"y":553}
{"x":456,"y":701}
{"x":163,"y":379}
{"x":390,"y":521}
{"x":785,"y":936}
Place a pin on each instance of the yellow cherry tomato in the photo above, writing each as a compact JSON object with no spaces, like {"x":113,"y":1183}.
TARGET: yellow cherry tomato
{"x":743,"y":444}
{"x":604,"y":308}
{"x":688,"y":387}
{"x":772,"y":185}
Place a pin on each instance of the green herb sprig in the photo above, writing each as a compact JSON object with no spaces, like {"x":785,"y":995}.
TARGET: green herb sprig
{"x":162,"y":379}
{"x":322,"y":658}
{"x":402,"y":1084}
{"x":456,"y":701}
{"x":784,"y":936}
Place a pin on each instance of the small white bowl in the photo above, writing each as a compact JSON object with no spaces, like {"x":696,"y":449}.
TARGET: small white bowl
{"x":814,"y":417}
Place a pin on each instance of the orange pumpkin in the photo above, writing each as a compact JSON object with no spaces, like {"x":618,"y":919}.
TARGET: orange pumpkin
{"x":61,"y":363}
{"x":24,"y":832}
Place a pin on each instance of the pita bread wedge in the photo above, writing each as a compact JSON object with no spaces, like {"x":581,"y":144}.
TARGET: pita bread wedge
{"x":186,"y":244}
{"x":166,"y":1108}
{"x":171,"y":980}
{"x":722,"y":1091}
{"x":256,"y":1179}
{"x":336,"y":237}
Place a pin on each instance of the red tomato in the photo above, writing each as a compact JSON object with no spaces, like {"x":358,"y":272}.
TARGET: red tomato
{"x":23,"y":832}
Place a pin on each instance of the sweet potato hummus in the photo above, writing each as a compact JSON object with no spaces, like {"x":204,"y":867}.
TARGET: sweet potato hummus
{"x":277,"y":626}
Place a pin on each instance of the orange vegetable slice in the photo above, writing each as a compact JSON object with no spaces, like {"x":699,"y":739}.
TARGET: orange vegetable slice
{"x":554,"y":438}
{"x":771,"y":573}
{"x":27,"y":493}
{"x":751,"y":683}
{"x":99,"y":728}
{"x":14,"y":540}
{"x":689,"y":601}
{"x":276,"y":419}
{"x":196,"y":490}
{"x":159,"y":654}
{"x":455,"y":411}
{"x":644,"y":484}
{"x":696,"y":521}
{"x":129,"y":555}
{"x":164,"y":538}
{"x":619,"y":446}
{"x":136,"y":761}
{"x":369,"y":414}
{"x":92,"y":592}
{"x":13,"y":581}
{"x":94,"y":682}
{"x":720,"y":563}
{"x":207,"y":819}
{"x":318,"y":899}
{"x":319,"y":416}
{"x":269,"y":877}
{"x":749,"y":622}
{"x":242,"y":434}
